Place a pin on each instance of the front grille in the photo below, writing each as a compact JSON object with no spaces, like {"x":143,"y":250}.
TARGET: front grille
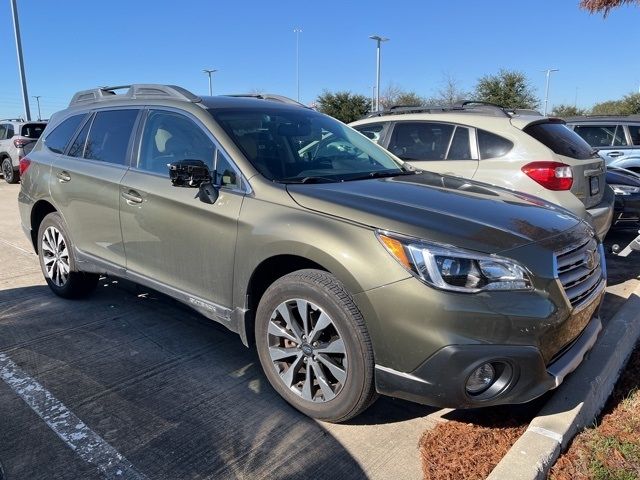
{"x":579,"y":269}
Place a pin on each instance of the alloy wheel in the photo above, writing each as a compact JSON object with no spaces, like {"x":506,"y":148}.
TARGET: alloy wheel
{"x":55,"y":256}
{"x":307,"y":350}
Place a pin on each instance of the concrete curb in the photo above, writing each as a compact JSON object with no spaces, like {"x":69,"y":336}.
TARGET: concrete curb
{"x":577,"y":401}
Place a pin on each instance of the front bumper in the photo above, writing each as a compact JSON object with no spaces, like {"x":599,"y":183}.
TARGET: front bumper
{"x":440,"y":380}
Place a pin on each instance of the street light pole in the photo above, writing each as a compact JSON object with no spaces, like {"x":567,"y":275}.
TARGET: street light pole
{"x":209,"y":73}
{"x":378,"y":40}
{"x":23,"y":80}
{"x":37,"y":97}
{"x":297,"y":31}
{"x":546,"y":90}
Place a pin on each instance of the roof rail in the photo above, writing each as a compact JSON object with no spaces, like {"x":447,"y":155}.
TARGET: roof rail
{"x":633,"y":116}
{"x":139,"y":90}
{"x":269,"y":96}
{"x":12,"y":120}
{"x":466,"y":106}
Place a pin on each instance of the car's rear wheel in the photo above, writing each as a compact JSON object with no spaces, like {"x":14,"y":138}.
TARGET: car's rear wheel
{"x":314,"y":347}
{"x":10,"y":175}
{"x":58,"y":263}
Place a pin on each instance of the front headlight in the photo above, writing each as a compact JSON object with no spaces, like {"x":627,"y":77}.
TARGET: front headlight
{"x":451,"y":268}
{"x":624,"y":189}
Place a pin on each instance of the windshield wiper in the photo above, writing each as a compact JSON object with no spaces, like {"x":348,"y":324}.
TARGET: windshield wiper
{"x":382,"y":174}
{"x":310,"y":180}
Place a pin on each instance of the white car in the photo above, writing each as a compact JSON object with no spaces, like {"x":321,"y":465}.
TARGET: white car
{"x":515,"y":149}
{"x":17,"y":138}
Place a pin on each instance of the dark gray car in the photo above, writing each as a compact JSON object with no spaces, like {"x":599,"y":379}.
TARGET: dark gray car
{"x":349,"y":271}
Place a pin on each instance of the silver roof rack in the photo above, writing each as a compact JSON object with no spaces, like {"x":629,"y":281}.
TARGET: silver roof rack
{"x":269,"y":96}
{"x":135,"y":91}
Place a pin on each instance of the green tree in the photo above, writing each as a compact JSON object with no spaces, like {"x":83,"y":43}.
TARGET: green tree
{"x":610,"y":107}
{"x":564,"y":110}
{"x":345,"y":106}
{"x":631,"y":104}
{"x":508,"y":88}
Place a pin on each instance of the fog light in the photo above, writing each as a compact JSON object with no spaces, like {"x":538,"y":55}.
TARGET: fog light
{"x":481,"y":379}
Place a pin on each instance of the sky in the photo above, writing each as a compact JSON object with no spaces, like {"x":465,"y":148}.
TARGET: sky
{"x":72,"y":45}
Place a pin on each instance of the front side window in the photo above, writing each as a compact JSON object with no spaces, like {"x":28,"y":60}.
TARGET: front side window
{"x":10,"y":131}
{"x":58,"y":139}
{"x":372,"y":131}
{"x":492,"y":145}
{"x":109,"y":136}
{"x":597,"y":136}
{"x":170,"y":137}
{"x":300,"y":146}
{"x":421,"y":140}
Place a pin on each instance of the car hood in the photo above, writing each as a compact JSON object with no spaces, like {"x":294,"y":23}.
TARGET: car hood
{"x":441,"y":209}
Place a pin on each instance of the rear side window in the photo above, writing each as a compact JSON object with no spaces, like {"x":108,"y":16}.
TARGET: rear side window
{"x":421,"y":140}
{"x":109,"y":136}
{"x":460,"y":149}
{"x":561,"y":140}
{"x":77,"y":147}
{"x":32,"y":130}
{"x":57,"y":140}
{"x":492,"y":145}
{"x":596,"y":135}
{"x":10,"y":131}
{"x":372,"y":131}
{"x":634,"y":131}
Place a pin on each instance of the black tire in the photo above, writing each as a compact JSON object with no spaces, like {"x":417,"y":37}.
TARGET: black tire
{"x":11,"y":175}
{"x":73,"y":284}
{"x":321,"y":290}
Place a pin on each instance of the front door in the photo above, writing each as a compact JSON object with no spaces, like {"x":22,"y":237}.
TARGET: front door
{"x":171,"y":237}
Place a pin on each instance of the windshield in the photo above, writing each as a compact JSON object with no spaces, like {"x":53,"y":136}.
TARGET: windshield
{"x":299,"y":146}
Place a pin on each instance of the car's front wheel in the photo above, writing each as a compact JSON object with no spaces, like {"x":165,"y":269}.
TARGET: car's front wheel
{"x":314,"y":346}
{"x":58,"y":263}
{"x":10,"y":175}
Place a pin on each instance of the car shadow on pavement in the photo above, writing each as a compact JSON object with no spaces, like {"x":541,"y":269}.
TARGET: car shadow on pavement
{"x":176,"y":394}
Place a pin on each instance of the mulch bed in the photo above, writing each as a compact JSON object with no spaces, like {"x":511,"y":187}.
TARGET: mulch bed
{"x":471,"y":443}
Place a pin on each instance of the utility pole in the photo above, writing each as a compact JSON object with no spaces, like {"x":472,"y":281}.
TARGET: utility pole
{"x":378,"y":40}
{"x":546,"y":90}
{"x":210,"y":72}
{"x":297,"y":31}
{"x":37,"y":97}
{"x":23,"y":80}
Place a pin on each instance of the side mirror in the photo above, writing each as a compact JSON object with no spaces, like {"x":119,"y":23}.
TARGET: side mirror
{"x":194,"y":174}
{"x":189,"y":173}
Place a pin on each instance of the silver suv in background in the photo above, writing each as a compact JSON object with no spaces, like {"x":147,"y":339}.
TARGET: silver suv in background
{"x":617,"y":138}
{"x":516,"y":149}
{"x":17,"y":138}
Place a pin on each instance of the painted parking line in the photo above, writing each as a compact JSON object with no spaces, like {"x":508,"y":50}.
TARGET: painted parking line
{"x":17,"y":247}
{"x":87,"y":444}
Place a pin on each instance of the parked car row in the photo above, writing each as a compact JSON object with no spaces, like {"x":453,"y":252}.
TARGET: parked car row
{"x":350,"y":271}
{"x":17,"y":138}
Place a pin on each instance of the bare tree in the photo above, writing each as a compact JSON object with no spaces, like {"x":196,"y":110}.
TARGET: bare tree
{"x":395,"y":95}
{"x":450,"y":92}
{"x":605,"y":6}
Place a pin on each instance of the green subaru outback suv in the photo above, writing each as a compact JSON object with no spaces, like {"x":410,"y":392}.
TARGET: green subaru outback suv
{"x":351,"y":273}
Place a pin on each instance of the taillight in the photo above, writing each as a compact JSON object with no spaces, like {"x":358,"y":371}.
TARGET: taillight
{"x":24,"y":165}
{"x":21,"y":142}
{"x":551,"y":175}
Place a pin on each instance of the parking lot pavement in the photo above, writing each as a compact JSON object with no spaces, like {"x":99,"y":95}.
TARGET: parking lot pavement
{"x":159,"y":391}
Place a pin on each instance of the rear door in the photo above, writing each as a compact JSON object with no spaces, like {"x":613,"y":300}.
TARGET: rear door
{"x":86,"y":181}
{"x":440,"y":147}
{"x":588,"y":168}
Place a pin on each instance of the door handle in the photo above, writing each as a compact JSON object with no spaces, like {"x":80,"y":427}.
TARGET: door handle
{"x":63,"y":176}
{"x":132,"y":197}
{"x":615,"y":154}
